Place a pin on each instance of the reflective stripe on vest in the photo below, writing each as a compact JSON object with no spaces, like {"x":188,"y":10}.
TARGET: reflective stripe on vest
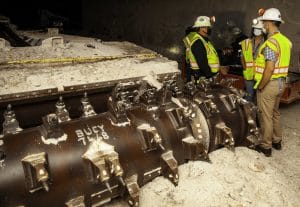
{"x":247,"y":50}
{"x":281,"y":45}
{"x":250,"y":64}
{"x":212,"y":56}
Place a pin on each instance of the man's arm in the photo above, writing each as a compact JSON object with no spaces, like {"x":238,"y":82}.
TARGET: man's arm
{"x":270,"y":57}
{"x":243,"y":63}
{"x":269,"y":68}
{"x":200,"y":54}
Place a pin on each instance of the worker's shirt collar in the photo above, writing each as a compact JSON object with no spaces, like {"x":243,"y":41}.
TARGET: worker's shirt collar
{"x":273,"y":33}
{"x":205,"y":38}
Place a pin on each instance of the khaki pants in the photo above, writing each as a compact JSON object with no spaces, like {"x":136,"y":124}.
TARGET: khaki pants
{"x":269,"y":116}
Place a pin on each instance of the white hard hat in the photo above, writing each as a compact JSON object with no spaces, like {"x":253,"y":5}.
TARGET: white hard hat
{"x":202,"y":21}
{"x":272,"y":14}
{"x":257,"y":23}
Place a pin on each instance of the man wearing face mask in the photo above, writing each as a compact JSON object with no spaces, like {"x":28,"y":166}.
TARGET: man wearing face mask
{"x":271,"y":69}
{"x":201,"y":56}
{"x":249,"y":52}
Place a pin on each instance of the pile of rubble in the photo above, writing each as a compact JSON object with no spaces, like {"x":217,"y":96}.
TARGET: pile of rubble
{"x":242,"y":178}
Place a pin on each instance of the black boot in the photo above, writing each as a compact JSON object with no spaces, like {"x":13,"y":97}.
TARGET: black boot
{"x":277,"y":146}
{"x":266,"y":152}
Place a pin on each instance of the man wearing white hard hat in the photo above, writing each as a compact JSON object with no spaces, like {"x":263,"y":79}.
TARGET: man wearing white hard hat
{"x":201,"y":56}
{"x":271,"y":70}
{"x":249,"y":53}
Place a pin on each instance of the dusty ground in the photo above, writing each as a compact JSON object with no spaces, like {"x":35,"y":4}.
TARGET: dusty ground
{"x":241,"y":179}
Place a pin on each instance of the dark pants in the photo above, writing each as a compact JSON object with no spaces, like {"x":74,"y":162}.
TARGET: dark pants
{"x":192,"y":73}
{"x":188,"y":73}
{"x":250,"y":96}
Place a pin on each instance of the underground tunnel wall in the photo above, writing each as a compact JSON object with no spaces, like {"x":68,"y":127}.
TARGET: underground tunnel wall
{"x":160,"y":25}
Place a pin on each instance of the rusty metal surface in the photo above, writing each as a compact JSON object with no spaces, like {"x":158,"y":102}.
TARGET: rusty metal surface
{"x":290,"y":94}
{"x":149,"y":129}
{"x":29,"y":111}
{"x":31,"y":106}
{"x":238,"y":81}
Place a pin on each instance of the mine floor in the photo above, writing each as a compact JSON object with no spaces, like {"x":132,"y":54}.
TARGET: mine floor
{"x":241,"y":179}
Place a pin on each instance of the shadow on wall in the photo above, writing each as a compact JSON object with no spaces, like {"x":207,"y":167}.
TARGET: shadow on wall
{"x":227,"y":32}
{"x":160,"y":25}
{"x":228,"y":27}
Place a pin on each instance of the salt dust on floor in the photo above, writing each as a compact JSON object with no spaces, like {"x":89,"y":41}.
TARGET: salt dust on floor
{"x":237,"y":179}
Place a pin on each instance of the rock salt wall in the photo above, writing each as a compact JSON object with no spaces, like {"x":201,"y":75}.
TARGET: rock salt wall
{"x":160,"y":25}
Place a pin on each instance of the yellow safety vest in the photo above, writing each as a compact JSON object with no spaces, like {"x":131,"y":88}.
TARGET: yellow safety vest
{"x":212,"y":55}
{"x":247,"y":50}
{"x":281,"y":45}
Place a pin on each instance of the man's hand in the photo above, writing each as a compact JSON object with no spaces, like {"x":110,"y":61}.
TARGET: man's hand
{"x":268,"y":71}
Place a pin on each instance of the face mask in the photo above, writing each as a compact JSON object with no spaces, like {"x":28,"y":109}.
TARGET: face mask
{"x":257,"y":32}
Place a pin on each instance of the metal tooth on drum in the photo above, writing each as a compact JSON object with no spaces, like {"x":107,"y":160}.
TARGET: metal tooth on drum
{"x":147,"y":132}
{"x":10,"y":124}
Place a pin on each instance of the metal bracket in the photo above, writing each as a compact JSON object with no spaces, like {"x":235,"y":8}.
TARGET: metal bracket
{"x":190,"y":90}
{"x":176,"y":116}
{"x":171,"y":88}
{"x":208,"y":107}
{"x":229,"y":102}
{"x":224,"y":136}
{"x":149,"y":97}
{"x":250,"y":111}
{"x":122,"y":98}
{"x":115,"y":167}
{"x":103,"y":162}
{"x":204,"y":84}
{"x":169,"y":167}
{"x":133,"y":190}
{"x":166,"y":97}
{"x":193,"y":149}
{"x":36,"y":169}
{"x":117,"y":111}
{"x":50,"y":127}
{"x":150,"y":139}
